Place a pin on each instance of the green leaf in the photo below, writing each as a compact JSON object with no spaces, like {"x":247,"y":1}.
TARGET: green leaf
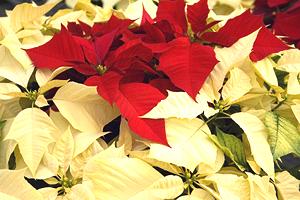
{"x":284,"y":137}
{"x":1,"y":124}
{"x":232,"y":147}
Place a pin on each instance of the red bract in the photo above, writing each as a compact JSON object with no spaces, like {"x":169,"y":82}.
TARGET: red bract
{"x":82,"y":47}
{"x":287,"y":23}
{"x":107,"y":85}
{"x":188,"y":64}
{"x":197,"y":14}
{"x":61,"y":50}
{"x":274,"y":3}
{"x":173,"y":11}
{"x":265,"y":44}
{"x":134,"y":67}
{"x":235,"y":29}
{"x":136,"y":99}
{"x":282,"y":16}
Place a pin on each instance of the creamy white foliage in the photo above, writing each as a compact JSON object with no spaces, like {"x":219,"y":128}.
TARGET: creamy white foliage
{"x":6,"y":147}
{"x":27,"y":13}
{"x":287,"y":186}
{"x":84,"y":108}
{"x":70,"y":139}
{"x":9,"y":108}
{"x":236,"y":86}
{"x":168,"y":187}
{"x":7,"y":89}
{"x":83,"y":140}
{"x":13,"y":186}
{"x":261,"y":188}
{"x":190,"y":146}
{"x":265,"y":69}
{"x":125,"y":136}
{"x":293,"y":87}
{"x":12,"y":43}
{"x":257,"y":136}
{"x":231,"y":186}
{"x":71,"y":16}
{"x":134,"y":10}
{"x":290,"y":61}
{"x":80,"y":192}
{"x":33,"y":131}
{"x":48,"y":193}
{"x":177,"y":104}
{"x":63,"y":149}
{"x":115,"y":176}
{"x":228,"y":57}
{"x":11,"y":69}
{"x":144,"y":155}
{"x":43,"y":76}
{"x":41,"y":101}
{"x":296,"y":111}
{"x":78,"y":162}
{"x":197,"y":194}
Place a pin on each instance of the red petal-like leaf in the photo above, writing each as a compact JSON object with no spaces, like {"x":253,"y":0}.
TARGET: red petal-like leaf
{"x":166,"y":29}
{"x":124,"y":56}
{"x":235,"y":29}
{"x":163,"y":85}
{"x":146,"y":17}
{"x":141,"y":66}
{"x":174,"y":12}
{"x":197,"y":14}
{"x":274,"y":3}
{"x":113,"y":24}
{"x":75,"y":29}
{"x":133,"y":76}
{"x":188,"y":65}
{"x":265,"y":44}
{"x":107,"y":85}
{"x":152,"y":33}
{"x":287,"y":24}
{"x":102,"y":45}
{"x":61,"y":50}
{"x":136,"y":99}
{"x":88,"y":50}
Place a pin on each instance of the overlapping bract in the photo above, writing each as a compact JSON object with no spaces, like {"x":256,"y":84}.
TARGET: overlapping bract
{"x":205,"y":105}
{"x":111,"y":54}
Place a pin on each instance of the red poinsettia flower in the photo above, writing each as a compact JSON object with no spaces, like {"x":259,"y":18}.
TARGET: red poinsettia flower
{"x":282,"y":16}
{"x":133,"y":67}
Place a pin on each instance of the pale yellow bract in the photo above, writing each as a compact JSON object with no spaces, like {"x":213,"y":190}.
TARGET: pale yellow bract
{"x":65,"y":146}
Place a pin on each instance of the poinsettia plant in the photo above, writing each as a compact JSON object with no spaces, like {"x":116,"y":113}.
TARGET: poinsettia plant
{"x":145,"y":99}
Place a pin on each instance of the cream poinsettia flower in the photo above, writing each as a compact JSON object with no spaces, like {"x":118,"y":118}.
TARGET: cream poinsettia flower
{"x":190,"y":146}
{"x":257,"y":137}
{"x":33,"y":124}
{"x":115,"y":176}
{"x":22,"y":28}
{"x":287,"y":186}
{"x":281,"y":73}
{"x":197,"y":194}
{"x":130,"y":9}
{"x":191,"y":155}
{"x":247,"y":186}
{"x":59,"y":154}
{"x":13,"y":186}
